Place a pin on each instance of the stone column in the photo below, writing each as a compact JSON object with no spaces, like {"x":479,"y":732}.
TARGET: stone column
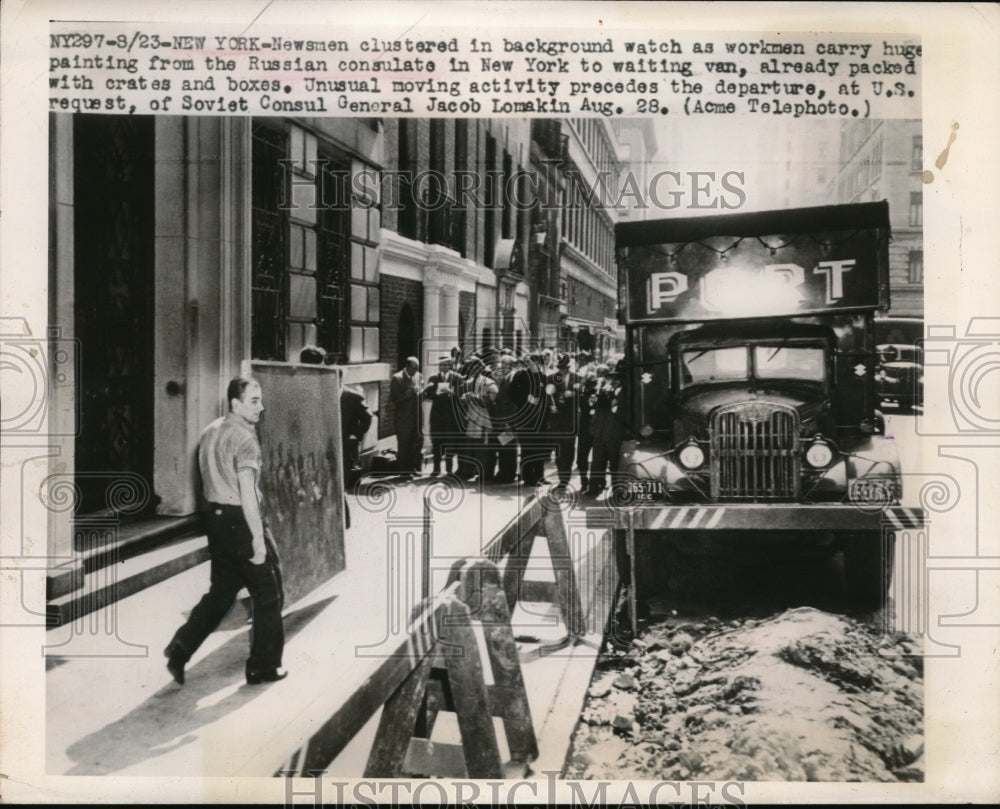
{"x":448,"y":333}
{"x":56,"y":462}
{"x":432,"y":319}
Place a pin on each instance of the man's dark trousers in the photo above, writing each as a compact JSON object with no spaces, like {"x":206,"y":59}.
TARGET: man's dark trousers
{"x":230,"y":544}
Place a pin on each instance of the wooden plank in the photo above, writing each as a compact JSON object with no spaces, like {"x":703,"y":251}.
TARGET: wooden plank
{"x":468,"y":688}
{"x":323,"y":746}
{"x":335,"y":734}
{"x":514,"y":532}
{"x":505,"y":664}
{"x":562,"y":566}
{"x":397,"y":723}
{"x":517,"y":564}
{"x":537,"y":591}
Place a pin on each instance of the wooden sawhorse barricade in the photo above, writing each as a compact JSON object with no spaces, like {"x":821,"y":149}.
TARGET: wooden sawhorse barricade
{"x":438,"y":668}
{"x":513,"y":546}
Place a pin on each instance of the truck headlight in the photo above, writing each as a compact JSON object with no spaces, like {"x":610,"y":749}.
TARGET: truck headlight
{"x":691,"y":457}
{"x":819,"y":454}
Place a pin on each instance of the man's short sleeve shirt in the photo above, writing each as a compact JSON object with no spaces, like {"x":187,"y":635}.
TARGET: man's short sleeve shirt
{"x":228,"y":445}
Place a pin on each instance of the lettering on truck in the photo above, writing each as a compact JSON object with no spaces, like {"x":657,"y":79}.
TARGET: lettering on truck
{"x":783,"y":282}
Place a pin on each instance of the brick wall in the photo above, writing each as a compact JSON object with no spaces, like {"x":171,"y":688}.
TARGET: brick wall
{"x":395,"y":292}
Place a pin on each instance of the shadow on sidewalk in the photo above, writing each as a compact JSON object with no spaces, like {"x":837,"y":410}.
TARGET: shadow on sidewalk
{"x":171,"y":717}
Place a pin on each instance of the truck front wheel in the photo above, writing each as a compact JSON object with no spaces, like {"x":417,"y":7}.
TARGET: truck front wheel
{"x":868,"y":564}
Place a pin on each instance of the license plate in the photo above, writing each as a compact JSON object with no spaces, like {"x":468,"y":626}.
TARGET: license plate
{"x":645,"y":487}
{"x":875,"y":492}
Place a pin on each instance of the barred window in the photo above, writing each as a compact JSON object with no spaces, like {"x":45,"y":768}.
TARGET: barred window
{"x":315,"y":225}
{"x":366,"y":222}
{"x":269,"y":232}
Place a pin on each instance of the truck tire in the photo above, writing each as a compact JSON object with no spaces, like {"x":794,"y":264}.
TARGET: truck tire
{"x":868,"y":564}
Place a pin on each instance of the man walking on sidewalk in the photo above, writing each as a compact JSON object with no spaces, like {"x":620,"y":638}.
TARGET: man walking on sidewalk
{"x":241,"y":548}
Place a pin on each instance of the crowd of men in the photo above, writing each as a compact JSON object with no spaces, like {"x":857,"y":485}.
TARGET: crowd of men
{"x":499,"y":416}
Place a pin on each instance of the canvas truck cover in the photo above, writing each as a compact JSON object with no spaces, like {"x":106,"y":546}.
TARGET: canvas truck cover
{"x":800,"y":261}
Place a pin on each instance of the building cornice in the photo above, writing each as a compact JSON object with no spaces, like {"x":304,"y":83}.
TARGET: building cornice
{"x":417,"y":261}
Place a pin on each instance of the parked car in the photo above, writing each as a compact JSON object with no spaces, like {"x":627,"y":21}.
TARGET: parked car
{"x":899,"y":376}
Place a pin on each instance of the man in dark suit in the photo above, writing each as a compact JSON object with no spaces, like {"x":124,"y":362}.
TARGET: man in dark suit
{"x":404,"y":394}
{"x":563,"y":421}
{"x":607,"y":428}
{"x":443,"y":389}
{"x":503,"y":418}
{"x":584,"y":382}
{"x":528,"y":394}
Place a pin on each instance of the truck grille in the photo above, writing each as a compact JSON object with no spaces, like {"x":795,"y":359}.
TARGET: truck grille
{"x":755,"y":454}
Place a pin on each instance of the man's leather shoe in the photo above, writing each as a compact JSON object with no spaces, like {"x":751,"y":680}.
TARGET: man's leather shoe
{"x":267,"y":676}
{"x":175,"y":665}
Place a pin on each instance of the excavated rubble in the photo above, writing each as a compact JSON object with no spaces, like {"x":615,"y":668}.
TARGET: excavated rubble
{"x":805,"y":695}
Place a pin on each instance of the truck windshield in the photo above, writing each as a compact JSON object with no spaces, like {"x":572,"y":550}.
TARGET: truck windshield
{"x":789,"y":362}
{"x":701,"y":365}
{"x":731,"y":364}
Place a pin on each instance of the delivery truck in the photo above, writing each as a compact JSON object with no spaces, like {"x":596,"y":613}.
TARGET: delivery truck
{"x":750,"y":381}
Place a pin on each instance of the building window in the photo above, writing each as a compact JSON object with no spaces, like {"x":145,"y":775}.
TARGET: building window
{"x":314,"y":248}
{"x":366,"y":223}
{"x":303,"y":221}
{"x":917,"y":153}
{"x":916,"y":209}
{"x":442,"y":225}
{"x":268,"y":242}
{"x":915,"y":267}
{"x":408,"y":209}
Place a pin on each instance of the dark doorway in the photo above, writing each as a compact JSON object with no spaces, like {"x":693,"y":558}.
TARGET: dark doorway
{"x":407,"y":336}
{"x":113,"y":315}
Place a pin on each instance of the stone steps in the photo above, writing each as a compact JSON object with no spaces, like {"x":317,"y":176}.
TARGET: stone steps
{"x":107,"y":581}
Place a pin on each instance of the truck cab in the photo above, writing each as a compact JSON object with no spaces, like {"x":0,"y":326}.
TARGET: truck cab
{"x":753,"y":413}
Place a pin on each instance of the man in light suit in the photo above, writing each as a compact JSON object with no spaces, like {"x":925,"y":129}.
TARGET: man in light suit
{"x":405,"y":388}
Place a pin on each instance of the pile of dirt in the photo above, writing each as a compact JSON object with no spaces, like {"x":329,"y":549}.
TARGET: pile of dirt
{"x":802,"y":696}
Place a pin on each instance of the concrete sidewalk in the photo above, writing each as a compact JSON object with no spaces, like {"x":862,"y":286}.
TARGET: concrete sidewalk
{"x":113,"y":708}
